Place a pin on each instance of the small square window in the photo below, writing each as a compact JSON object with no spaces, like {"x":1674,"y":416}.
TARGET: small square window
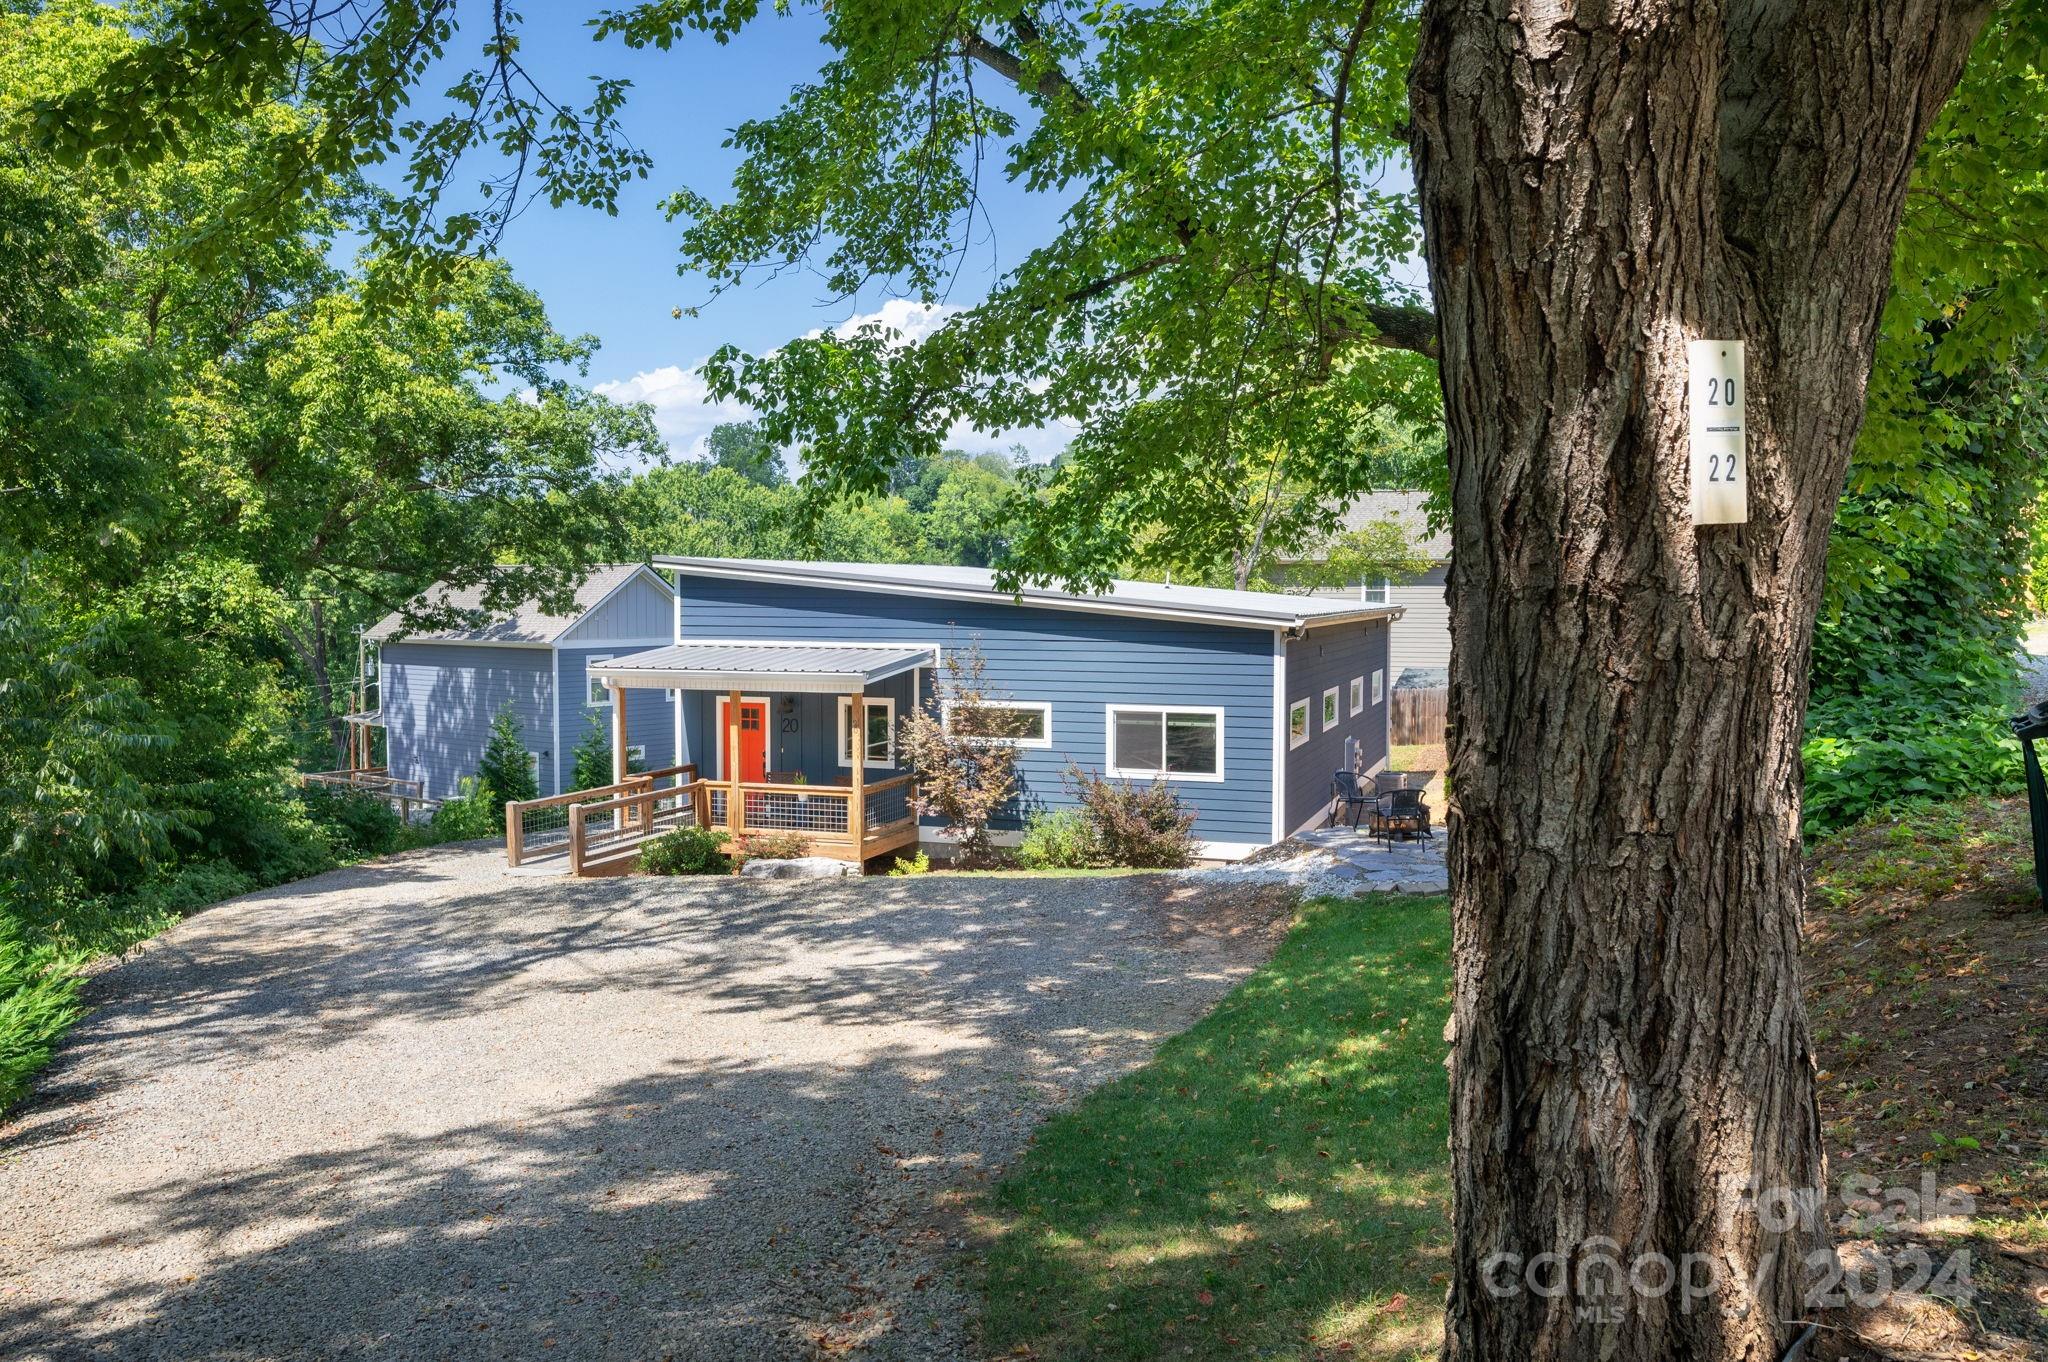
{"x":1376,"y":591}
{"x":1330,"y":711}
{"x":1357,"y":695}
{"x":1379,"y":686}
{"x":600,"y":695}
{"x":1297,"y":723}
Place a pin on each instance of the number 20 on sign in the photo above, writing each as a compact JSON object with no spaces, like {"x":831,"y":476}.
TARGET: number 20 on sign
{"x":1717,"y":390}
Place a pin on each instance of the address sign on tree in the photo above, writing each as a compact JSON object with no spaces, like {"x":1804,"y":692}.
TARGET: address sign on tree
{"x":1716,"y":392}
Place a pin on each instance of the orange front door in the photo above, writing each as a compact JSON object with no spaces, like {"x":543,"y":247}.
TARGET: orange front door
{"x":753,"y":740}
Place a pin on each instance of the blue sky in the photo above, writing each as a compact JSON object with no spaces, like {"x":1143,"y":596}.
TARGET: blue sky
{"x":615,"y":277}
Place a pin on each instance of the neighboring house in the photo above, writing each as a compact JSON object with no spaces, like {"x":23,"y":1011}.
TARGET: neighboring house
{"x":1244,"y":702}
{"x":439,"y":691}
{"x":1422,"y":636}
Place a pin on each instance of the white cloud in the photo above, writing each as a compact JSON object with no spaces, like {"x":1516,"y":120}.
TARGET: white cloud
{"x":685,"y":411}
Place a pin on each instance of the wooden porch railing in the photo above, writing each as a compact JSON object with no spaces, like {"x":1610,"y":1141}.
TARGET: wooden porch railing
{"x":601,"y":826}
{"x":377,"y":781}
{"x":527,"y":821}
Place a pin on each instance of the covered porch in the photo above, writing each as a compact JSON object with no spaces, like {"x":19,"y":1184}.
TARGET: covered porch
{"x":786,"y":739}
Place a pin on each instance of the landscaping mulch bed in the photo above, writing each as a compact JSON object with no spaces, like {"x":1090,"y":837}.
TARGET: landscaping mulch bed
{"x":1926,"y":962}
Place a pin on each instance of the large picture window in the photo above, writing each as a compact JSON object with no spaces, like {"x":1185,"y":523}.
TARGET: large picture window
{"x":881,"y":732}
{"x":1018,"y":723}
{"x":1147,"y":741}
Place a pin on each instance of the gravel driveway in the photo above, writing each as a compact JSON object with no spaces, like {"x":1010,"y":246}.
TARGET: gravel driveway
{"x":420,"y":1109}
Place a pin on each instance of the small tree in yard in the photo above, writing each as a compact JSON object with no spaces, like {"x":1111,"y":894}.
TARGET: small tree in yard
{"x":1145,"y":826}
{"x":954,"y":742}
{"x":505,"y":771}
{"x":591,"y":763}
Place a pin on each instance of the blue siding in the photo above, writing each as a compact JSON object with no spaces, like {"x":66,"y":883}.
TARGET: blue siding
{"x":650,"y":716}
{"x":1315,"y":662}
{"x":1080,"y":662}
{"x":439,"y":699}
{"x":639,"y":611}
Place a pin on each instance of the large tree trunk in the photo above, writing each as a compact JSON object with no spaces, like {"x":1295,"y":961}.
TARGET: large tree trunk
{"x":1600,"y":183}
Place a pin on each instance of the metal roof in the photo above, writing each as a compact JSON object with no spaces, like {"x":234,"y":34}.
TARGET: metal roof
{"x":833,"y":668}
{"x":527,"y":623}
{"x":1251,"y":609}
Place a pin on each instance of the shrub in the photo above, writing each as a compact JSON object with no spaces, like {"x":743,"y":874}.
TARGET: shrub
{"x":38,"y":1001}
{"x":911,"y":865}
{"x":192,"y":886}
{"x":1859,"y":763}
{"x":1136,"y":825}
{"x":1058,"y":839}
{"x":356,"y":824}
{"x":468,"y":816}
{"x":775,"y":846}
{"x":966,"y":772}
{"x":590,"y":764}
{"x":505,"y":770}
{"x":687,"y":851}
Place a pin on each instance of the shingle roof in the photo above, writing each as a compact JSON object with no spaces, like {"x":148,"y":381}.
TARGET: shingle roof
{"x":836,"y":667}
{"x":527,"y":623}
{"x":1405,"y":508}
{"x":1258,"y":609}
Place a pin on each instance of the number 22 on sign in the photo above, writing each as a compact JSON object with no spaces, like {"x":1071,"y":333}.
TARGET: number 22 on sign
{"x":1717,"y":391}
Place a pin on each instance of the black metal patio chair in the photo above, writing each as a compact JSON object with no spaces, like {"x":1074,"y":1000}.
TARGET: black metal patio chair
{"x":1346,"y":797}
{"x":1403,"y":812}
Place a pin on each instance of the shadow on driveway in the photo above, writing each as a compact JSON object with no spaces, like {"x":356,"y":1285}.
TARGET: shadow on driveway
{"x":419,"y":1109}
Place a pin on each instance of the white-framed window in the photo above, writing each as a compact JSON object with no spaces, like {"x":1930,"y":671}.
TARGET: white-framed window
{"x":1330,"y":711}
{"x":1297,"y":723}
{"x":1147,"y":741}
{"x":1016,"y":723}
{"x":881,"y":732}
{"x":637,"y":752}
{"x":1357,"y":695}
{"x":1376,"y":591}
{"x":1379,"y":686}
{"x":599,"y":695}
{"x":533,"y":767}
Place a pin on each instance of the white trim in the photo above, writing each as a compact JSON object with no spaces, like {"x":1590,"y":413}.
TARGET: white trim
{"x":676,"y":695}
{"x":1333,"y":709}
{"x":1044,"y":707}
{"x":581,"y":644}
{"x":589,"y":664}
{"x":1110,"y":768}
{"x":1307,"y":722}
{"x":1379,"y":684}
{"x":383,"y":643}
{"x":718,"y":739}
{"x":1279,"y":752}
{"x":555,"y":713}
{"x":805,"y":683}
{"x":745,"y":571}
{"x":1357,"y":696}
{"x":844,"y":751}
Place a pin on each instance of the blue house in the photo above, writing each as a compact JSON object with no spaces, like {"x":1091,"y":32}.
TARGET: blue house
{"x":790,"y":679}
{"x":439,"y":691}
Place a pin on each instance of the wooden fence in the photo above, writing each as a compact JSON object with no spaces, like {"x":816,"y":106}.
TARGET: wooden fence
{"x":1419,"y":716}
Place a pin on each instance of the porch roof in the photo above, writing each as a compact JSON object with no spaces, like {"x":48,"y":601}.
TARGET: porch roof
{"x":830,"y":668}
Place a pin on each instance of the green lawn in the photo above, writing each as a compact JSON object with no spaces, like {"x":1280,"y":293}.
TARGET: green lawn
{"x":1272,"y":1185}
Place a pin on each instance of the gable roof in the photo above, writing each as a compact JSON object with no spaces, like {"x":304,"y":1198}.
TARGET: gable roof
{"x":1210,"y":605}
{"x":527,"y":623}
{"x":1406,"y":508}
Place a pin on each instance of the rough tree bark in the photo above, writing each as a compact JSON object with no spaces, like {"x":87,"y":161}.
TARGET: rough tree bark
{"x":1601,"y":182}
